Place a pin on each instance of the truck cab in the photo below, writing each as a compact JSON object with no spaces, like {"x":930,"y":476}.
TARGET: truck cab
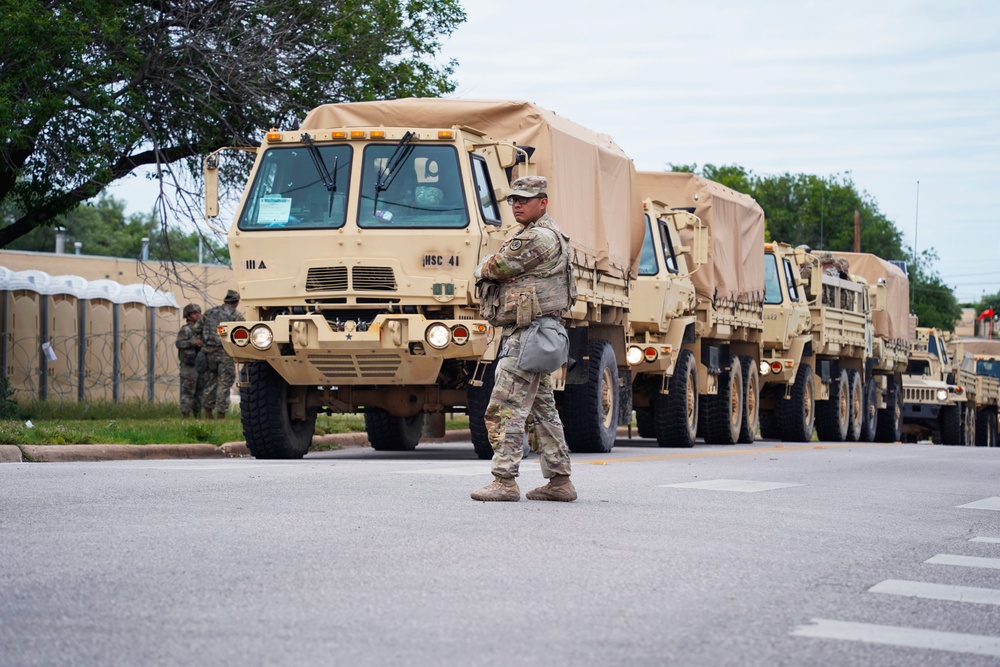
{"x":933,"y":400}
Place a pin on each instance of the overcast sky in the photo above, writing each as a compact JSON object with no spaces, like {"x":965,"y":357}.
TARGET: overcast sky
{"x":891,"y":92}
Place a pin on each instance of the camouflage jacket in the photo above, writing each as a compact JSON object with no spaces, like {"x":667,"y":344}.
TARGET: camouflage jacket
{"x":210,"y":323}
{"x":186,"y":348}
{"x":533,"y":270}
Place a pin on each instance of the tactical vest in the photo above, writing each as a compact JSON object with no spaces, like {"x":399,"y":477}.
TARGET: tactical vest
{"x":186,"y":355}
{"x":547,"y":289}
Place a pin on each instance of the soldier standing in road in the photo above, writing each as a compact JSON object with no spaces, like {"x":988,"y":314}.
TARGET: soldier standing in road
{"x":532,"y":269}
{"x":221,"y":372}
{"x":188,"y":343}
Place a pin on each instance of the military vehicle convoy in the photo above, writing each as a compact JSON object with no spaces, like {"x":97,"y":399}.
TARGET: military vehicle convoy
{"x":354,"y":245}
{"x":832,"y":357}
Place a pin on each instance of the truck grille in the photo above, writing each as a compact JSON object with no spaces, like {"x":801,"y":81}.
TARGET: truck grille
{"x":344,"y":366}
{"x":364,"y":279}
{"x":920,"y":395}
{"x":327,"y":279}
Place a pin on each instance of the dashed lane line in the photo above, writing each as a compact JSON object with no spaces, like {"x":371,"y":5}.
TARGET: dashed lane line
{"x":735,"y":452}
{"x":742,"y":485}
{"x":920,"y":589}
{"x":965,"y":561}
{"x":890,"y":635}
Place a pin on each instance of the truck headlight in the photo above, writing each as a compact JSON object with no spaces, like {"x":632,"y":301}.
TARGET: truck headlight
{"x":438,"y":336}
{"x":942,"y":394}
{"x":261,"y":336}
{"x":765,"y":368}
{"x":634,"y":355}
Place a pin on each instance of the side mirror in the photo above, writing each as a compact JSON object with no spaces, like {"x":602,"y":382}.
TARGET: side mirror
{"x":211,"y":174}
{"x":699,"y":245}
{"x":507,"y":155}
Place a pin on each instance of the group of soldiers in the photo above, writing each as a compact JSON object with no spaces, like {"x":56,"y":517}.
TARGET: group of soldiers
{"x":207,"y":372}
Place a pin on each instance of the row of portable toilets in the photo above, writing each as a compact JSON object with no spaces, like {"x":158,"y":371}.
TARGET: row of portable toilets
{"x":66,"y":338}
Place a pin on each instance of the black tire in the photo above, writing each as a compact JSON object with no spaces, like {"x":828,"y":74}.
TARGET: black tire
{"x":855,"y":406}
{"x":676,"y":413}
{"x":645,"y":422}
{"x":889,"y":425}
{"x":724,"y":411}
{"x":833,"y":415}
{"x":797,"y":413}
{"x":751,"y":400}
{"x":388,"y":433}
{"x":869,"y":420}
{"x":986,"y":428}
{"x":969,"y":425}
{"x":477,"y":400}
{"x":589,"y":411}
{"x":769,"y":425}
{"x":265,"y":415}
{"x":950,"y":420}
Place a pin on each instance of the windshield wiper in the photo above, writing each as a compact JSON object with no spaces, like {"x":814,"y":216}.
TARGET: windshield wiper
{"x":329,"y":180}
{"x":388,"y":174}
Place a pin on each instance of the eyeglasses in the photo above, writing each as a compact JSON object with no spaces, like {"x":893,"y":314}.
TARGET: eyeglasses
{"x":514,"y":199}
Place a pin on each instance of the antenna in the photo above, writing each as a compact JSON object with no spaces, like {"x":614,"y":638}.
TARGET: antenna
{"x":916,"y":228}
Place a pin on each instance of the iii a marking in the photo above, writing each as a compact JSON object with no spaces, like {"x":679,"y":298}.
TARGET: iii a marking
{"x":253,"y":264}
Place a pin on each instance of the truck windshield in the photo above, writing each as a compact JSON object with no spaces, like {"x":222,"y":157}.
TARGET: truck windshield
{"x":648,"y":266}
{"x":423,"y":190}
{"x":288,"y":191}
{"x":988,"y":367}
{"x":772,"y":280}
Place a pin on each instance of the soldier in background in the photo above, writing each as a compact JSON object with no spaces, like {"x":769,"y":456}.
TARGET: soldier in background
{"x":533,"y":262}
{"x":188,"y":343}
{"x":221,"y":372}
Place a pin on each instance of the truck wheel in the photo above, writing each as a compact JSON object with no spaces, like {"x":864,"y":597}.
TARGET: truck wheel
{"x":388,"y":433}
{"x":986,"y":428}
{"x":265,"y":415}
{"x":676,"y":413}
{"x":869,"y":418}
{"x":889,"y":427}
{"x":951,"y":425}
{"x":832,"y":416}
{"x":724,"y":411}
{"x":797,"y":413}
{"x":589,"y":411}
{"x":769,"y":425}
{"x":855,"y":407}
{"x":969,"y":425}
{"x":644,"y":422}
{"x":751,"y":402}
{"x":477,"y":400}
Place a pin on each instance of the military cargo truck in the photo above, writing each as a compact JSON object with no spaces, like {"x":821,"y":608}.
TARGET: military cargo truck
{"x":977,"y":363}
{"x":354,"y":245}
{"x":934,"y":402}
{"x":720,"y":349}
{"x":830,"y":360}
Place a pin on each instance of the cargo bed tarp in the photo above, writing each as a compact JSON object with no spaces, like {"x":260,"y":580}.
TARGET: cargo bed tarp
{"x":894,"y":322}
{"x":735,"y":268}
{"x":592,"y":185}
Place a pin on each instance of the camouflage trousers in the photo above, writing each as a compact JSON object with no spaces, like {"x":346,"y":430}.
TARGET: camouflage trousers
{"x":522,"y":402}
{"x":190,"y":390}
{"x":219,"y":380}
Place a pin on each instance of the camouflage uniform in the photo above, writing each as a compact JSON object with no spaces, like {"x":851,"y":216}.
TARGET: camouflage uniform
{"x":221,"y":372}
{"x":522,"y":401}
{"x":187,"y":351}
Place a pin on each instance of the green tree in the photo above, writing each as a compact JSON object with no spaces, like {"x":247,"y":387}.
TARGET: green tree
{"x":114,"y":86}
{"x":932,"y":301}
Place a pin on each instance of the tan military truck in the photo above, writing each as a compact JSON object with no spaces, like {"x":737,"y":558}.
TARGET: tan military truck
{"x":977,"y":362}
{"x":715,"y":372}
{"x":935,"y":404}
{"x":830,"y":360}
{"x":354,"y":246}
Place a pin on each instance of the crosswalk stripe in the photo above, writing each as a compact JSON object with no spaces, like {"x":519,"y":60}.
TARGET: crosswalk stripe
{"x":965,"y":561}
{"x":742,"y":485}
{"x":988,"y":540}
{"x":920,"y":589}
{"x":984,"y":504}
{"x":896,"y":636}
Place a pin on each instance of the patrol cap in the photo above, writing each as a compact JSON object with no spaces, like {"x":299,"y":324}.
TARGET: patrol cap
{"x":191,"y":308}
{"x":232,"y":296}
{"x":530,"y":186}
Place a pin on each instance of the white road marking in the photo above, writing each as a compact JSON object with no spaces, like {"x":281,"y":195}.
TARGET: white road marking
{"x":744,"y":486}
{"x":464,"y":471}
{"x":920,"y":589}
{"x":895,"y":636}
{"x":985,"y":504}
{"x":988,"y":540}
{"x":965,"y":561}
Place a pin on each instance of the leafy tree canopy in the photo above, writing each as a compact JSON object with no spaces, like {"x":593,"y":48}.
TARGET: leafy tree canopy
{"x":819,"y":212}
{"x":92,"y":89}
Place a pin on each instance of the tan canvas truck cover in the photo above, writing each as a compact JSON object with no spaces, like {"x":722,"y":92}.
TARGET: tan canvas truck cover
{"x":592,"y":183}
{"x":735,"y":268}
{"x":983,"y":347}
{"x":894,"y":322}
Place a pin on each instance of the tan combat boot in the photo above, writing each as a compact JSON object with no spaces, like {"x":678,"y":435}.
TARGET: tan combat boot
{"x":501,"y":489}
{"x":559,"y":488}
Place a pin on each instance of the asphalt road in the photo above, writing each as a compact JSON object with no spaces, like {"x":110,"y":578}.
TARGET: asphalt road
{"x":749,"y":555}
